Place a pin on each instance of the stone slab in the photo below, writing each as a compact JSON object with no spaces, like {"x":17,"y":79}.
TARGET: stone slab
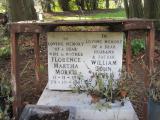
{"x":74,"y":54}
{"x":81,"y":108}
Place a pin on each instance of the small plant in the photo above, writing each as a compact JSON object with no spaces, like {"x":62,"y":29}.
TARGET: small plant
{"x":137,"y":46}
{"x":5,"y":52}
{"x":4,"y":43}
{"x":102,"y":86}
{"x":154,"y":87}
{"x":5,"y":97}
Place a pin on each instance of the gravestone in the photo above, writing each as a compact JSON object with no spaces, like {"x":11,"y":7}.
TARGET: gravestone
{"x":71,"y":54}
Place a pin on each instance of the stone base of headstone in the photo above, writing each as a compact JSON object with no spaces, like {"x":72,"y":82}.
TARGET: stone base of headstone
{"x":80,"y":106}
{"x":39,"y":112}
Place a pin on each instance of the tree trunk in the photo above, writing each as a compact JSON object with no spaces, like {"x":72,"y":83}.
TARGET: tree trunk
{"x":20,"y":10}
{"x":91,"y":4}
{"x":147,"y":8}
{"x":64,"y":4}
{"x":48,"y":6}
{"x":152,"y":9}
{"x":126,"y":8}
{"x":107,"y":4}
{"x":135,"y":9}
{"x":80,"y":3}
{"x":88,"y":5}
{"x":94,"y":4}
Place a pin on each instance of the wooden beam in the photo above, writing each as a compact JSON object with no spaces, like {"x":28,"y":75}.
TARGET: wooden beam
{"x":150,"y":41}
{"x":37,"y":60}
{"x":25,"y":28}
{"x":151,"y":44}
{"x":16,"y":92}
{"x":128,"y":52}
{"x":116,"y":27}
{"x":137,"y":26}
{"x":149,"y":60}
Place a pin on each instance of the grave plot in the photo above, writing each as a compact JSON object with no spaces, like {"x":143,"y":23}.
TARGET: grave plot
{"x":73,"y":59}
{"x":90,"y":62}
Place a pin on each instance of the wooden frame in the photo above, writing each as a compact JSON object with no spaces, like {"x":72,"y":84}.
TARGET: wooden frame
{"x":38,"y":27}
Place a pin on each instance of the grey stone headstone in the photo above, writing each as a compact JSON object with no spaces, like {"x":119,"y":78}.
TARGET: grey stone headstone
{"x":72,"y":54}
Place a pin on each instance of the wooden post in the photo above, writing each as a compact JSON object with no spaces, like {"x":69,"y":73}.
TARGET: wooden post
{"x":37,"y":60}
{"x":15,"y":76}
{"x":128,"y":52}
{"x":150,"y":41}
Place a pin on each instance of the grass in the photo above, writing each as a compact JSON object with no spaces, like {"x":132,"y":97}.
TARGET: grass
{"x":112,"y":15}
{"x":115,"y":14}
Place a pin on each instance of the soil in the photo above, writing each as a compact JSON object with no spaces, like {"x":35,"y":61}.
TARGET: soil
{"x":29,"y":93}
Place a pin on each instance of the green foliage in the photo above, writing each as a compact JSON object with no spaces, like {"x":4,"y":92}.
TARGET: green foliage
{"x":5,"y":52}
{"x":64,"y":4}
{"x":4,"y":114}
{"x":154,"y":87}
{"x":5,"y":98}
{"x":72,"y":4}
{"x":42,"y":68}
{"x":137,"y":46}
{"x":5,"y":88}
{"x":56,"y":7}
{"x":153,"y":90}
{"x":120,"y":14}
{"x":112,"y":5}
{"x":3,"y":6}
{"x":105,"y":86}
{"x":4,"y":43}
{"x":111,"y":15}
{"x":101,"y":4}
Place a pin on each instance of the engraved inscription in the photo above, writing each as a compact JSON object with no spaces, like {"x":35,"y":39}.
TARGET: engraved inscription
{"x":74,"y":53}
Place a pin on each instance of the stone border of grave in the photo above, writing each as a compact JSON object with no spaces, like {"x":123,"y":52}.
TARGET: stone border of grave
{"x":36,"y":27}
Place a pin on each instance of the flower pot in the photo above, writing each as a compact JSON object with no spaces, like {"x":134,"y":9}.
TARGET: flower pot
{"x":95,"y":98}
{"x":123,"y":93}
{"x":153,"y":110}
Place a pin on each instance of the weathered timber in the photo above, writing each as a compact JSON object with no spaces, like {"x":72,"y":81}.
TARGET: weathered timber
{"x":129,"y":52}
{"x":37,"y":60}
{"x":120,"y":25}
{"x":15,"y":76}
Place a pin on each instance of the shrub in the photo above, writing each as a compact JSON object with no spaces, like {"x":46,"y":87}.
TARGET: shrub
{"x":4,"y":43}
{"x":5,"y":97}
{"x":138,"y":46}
{"x":5,"y":52}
